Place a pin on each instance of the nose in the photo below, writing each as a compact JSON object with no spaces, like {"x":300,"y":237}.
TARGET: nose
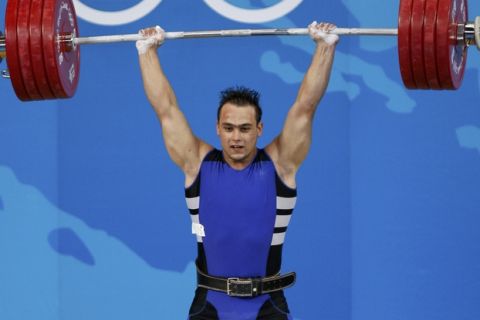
{"x":236,"y":134}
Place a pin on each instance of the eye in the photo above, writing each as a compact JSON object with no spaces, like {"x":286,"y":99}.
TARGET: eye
{"x":228,"y":128}
{"x":245,"y":129}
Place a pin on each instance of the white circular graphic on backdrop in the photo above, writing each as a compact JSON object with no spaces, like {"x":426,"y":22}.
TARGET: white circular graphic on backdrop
{"x":253,"y":15}
{"x":115,"y":18}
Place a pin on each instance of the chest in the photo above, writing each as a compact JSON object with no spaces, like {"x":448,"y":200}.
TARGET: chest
{"x":240,"y":202}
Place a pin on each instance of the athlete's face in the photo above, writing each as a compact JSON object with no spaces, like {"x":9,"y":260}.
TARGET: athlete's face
{"x":238,"y":131}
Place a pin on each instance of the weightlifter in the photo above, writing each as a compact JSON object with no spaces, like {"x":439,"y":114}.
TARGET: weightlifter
{"x":241,"y":197}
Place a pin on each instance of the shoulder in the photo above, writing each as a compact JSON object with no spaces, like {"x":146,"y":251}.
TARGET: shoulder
{"x":206,"y":151}
{"x":285,"y":171}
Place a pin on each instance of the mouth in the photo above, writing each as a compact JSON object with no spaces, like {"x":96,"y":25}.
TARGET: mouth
{"x":236,"y":147}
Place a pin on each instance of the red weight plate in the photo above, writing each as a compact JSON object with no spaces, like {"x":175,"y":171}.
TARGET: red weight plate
{"x":451,"y":55}
{"x":430,"y":42}
{"x":62,"y":63}
{"x":416,"y":51}
{"x":23,"y":42}
{"x":404,"y":20}
{"x":13,"y":61}
{"x":36,"y":50}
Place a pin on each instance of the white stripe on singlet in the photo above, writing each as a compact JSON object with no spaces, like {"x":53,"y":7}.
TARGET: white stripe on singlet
{"x":286,"y":203}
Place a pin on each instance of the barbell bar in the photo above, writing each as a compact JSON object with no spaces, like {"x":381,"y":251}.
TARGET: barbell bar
{"x":42,"y":44}
{"x":227,"y":33}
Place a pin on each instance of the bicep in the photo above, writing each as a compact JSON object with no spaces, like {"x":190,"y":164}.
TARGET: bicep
{"x":183,"y":147}
{"x":293,"y":143}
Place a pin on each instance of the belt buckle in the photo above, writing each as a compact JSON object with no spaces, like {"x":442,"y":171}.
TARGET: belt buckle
{"x":232,"y":282}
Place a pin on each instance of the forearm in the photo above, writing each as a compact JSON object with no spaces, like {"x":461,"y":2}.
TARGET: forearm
{"x":157,"y":87}
{"x":316,"y":79}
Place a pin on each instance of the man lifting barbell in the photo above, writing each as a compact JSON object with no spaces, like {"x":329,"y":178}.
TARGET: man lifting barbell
{"x":240,"y":198}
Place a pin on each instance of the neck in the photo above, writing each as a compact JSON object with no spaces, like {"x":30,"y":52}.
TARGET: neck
{"x":239,"y":164}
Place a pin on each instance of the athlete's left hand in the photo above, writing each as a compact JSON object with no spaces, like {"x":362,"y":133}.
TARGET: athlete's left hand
{"x":320,"y":32}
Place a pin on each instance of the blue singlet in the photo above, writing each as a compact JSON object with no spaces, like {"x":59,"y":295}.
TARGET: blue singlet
{"x":244,"y":214}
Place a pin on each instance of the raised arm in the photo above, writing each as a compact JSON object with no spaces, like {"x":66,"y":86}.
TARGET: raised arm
{"x":184,"y":148}
{"x":289,"y":149}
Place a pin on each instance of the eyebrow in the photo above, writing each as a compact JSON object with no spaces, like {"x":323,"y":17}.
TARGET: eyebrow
{"x":236,"y":126}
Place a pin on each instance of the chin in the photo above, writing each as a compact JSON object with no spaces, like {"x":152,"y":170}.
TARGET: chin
{"x":238,"y":157}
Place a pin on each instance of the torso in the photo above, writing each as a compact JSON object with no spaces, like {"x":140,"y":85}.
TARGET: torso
{"x":245,"y":215}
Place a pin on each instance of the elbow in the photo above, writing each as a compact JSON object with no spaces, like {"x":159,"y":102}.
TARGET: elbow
{"x":163,"y":111}
{"x":160,"y":102}
{"x":307,"y":106}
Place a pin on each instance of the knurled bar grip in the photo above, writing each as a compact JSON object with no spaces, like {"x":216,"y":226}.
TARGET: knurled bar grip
{"x":232,"y":33}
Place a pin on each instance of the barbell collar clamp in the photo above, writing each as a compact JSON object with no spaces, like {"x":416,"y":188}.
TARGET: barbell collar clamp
{"x":2,"y":47}
{"x":466,"y":33}
{"x":5,"y":74}
{"x":477,"y":32}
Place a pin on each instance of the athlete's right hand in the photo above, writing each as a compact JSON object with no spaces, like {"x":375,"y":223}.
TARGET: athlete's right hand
{"x":154,"y":37}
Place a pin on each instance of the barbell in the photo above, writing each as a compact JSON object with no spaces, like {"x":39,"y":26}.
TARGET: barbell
{"x":42,"y":44}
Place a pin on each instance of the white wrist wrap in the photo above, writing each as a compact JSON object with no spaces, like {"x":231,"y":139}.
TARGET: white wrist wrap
{"x":152,"y":41}
{"x":329,"y":38}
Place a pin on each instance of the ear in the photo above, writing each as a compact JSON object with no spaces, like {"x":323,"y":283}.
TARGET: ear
{"x":259,"y":129}
{"x":218,"y":129}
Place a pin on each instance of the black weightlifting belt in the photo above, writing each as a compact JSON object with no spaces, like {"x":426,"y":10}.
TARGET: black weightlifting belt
{"x":246,"y":287}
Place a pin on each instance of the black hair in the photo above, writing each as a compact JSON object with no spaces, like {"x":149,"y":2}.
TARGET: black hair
{"x":242,"y":97}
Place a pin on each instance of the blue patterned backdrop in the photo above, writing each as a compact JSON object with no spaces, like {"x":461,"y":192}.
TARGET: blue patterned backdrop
{"x":93,"y":223}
